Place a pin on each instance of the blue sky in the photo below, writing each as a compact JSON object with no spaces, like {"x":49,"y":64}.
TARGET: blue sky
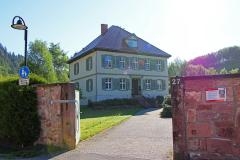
{"x":182,"y":28}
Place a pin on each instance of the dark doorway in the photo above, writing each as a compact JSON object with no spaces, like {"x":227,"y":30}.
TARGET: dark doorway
{"x":136,"y":87}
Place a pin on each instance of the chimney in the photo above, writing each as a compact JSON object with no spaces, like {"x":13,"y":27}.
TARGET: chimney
{"x":104,"y":28}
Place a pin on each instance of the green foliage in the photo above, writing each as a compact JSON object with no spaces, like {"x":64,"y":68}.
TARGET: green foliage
{"x":9,"y":62}
{"x":228,"y":58}
{"x":167,"y":100}
{"x":40,"y":60}
{"x":160,"y":99}
{"x":177,"y":67}
{"x":113,"y":102}
{"x":59,"y":62}
{"x":19,"y":121}
{"x":166,"y":112}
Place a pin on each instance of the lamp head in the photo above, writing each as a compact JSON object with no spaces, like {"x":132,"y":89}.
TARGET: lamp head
{"x":20,"y":25}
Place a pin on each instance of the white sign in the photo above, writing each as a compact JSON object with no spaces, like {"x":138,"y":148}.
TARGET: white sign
{"x":216,"y":95}
{"x":23,"y":81}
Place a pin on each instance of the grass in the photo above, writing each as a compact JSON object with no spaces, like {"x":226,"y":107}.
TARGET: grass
{"x":94,"y":121}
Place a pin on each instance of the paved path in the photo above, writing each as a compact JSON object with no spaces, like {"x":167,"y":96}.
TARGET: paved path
{"x":143,"y":137}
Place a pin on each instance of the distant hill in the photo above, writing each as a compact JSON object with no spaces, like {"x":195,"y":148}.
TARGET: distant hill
{"x":228,"y":58}
{"x":9,"y":62}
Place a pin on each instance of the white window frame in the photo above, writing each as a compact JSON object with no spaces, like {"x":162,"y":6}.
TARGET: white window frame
{"x":108,"y":83}
{"x":122,"y":62}
{"x":147,"y":64}
{"x":123,"y":84}
{"x":159,"y":64}
{"x":160,"y":84}
{"x":148,"y":84}
{"x":135,"y":63}
{"x":108,"y":61}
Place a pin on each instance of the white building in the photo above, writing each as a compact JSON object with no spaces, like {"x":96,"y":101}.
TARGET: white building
{"x":118,"y":64}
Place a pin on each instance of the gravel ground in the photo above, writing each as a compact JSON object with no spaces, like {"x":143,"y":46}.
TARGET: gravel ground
{"x":144,"y":136}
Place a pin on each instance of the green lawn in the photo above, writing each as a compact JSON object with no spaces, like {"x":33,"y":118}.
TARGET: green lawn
{"x":94,"y":121}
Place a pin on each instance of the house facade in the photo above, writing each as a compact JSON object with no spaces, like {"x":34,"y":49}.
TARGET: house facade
{"x":118,"y":64}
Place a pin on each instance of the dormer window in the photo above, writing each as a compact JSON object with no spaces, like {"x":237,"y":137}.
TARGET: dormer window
{"x":132,"y":42}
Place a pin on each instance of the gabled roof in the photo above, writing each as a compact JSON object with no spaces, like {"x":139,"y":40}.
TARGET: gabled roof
{"x":114,"y":40}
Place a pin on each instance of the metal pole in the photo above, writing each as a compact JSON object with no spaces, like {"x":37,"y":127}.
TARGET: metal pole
{"x":25,"y":53}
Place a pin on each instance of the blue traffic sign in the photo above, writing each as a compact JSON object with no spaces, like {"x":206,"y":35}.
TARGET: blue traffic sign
{"x":24,"y":72}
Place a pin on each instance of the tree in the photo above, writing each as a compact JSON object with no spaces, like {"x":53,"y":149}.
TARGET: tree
{"x":59,"y":62}
{"x":195,"y":70}
{"x":40,"y":60}
{"x":223,"y":71}
{"x":177,"y":67}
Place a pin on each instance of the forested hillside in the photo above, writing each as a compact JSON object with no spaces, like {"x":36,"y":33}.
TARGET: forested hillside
{"x":228,"y":58}
{"x":9,"y":62}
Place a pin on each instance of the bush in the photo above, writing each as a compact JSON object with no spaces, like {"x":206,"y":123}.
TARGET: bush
{"x":167,"y":100}
{"x":166,"y":112}
{"x":19,"y":120}
{"x":113,"y":102}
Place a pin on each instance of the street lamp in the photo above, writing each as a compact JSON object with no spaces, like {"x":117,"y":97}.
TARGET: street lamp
{"x":20,"y":25}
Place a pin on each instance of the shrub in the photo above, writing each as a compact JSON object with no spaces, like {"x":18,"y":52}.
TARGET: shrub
{"x":19,"y":120}
{"x":160,"y":100}
{"x":166,"y":112}
{"x":113,"y":102}
{"x":167,"y":100}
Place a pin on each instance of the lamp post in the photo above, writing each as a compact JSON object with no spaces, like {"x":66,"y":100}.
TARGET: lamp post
{"x":20,"y":25}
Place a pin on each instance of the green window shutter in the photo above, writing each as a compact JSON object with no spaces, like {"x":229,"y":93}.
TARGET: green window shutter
{"x":116,"y":83}
{"x":163,"y":85}
{"x":162,"y":65}
{"x":144,"y":85}
{"x":87,"y":64}
{"x":118,"y":62}
{"x":103,"y":84}
{"x":87,"y":84}
{"x":153,"y":64}
{"x":91,"y":84}
{"x":114,"y":62}
{"x":152,"y":84}
{"x":127,"y":64}
{"x":103,"y":61}
{"x":127,"y":84}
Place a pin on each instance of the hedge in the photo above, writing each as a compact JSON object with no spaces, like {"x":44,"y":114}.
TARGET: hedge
{"x":19,"y":120}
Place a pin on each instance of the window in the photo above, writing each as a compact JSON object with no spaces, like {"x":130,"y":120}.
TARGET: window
{"x":159,"y":65}
{"x":132,"y":42}
{"x":108,"y":83}
{"x":76,"y":68}
{"x":159,"y":84}
{"x":108,"y":62}
{"x":147,"y":64}
{"x":123,"y":84}
{"x":89,"y":84}
{"x":148,"y":84}
{"x":89,"y":64}
{"x":122,"y":62}
{"x":135,"y":63}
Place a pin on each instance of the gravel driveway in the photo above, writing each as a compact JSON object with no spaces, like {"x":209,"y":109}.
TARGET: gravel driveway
{"x":144,"y":136}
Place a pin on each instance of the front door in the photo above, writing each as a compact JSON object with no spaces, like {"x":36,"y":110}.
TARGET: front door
{"x":135,"y":86}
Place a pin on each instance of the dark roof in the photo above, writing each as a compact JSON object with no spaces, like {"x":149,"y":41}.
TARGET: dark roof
{"x":113,"y":40}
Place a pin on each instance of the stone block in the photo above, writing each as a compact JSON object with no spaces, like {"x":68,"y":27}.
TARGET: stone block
{"x":191,"y":115}
{"x":217,"y":145}
{"x":197,"y":144}
{"x":199,"y":130}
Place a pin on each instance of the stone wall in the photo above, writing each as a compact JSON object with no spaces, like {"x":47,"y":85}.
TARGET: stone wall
{"x":57,"y":117}
{"x":206,"y":129}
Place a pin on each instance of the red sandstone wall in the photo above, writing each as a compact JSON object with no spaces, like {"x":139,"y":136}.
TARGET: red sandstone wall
{"x":204,"y":130}
{"x":57,"y":119}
